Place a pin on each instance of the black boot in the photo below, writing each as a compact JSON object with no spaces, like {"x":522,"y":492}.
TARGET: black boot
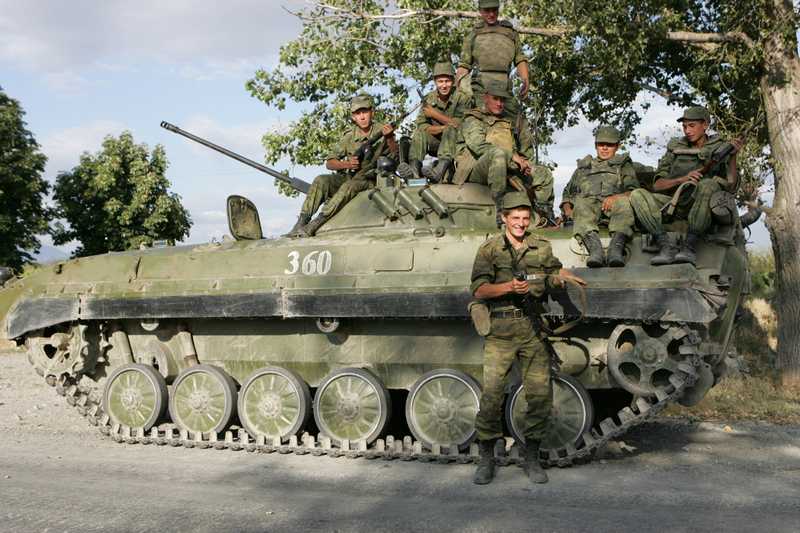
{"x":688,"y":253}
{"x":485,"y":471}
{"x":532,"y":467}
{"x":667,"y":250}
{"x":299,"y":226}
{"x":312,"y":227}
{"x":545,"y":212}
{"x":595,"y":248}
{"x":616,"y":250}
{"x":440,"y":170}
{"x":498,"y":207}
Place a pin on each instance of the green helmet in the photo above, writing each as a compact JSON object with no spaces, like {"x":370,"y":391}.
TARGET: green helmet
{"x":607,"y":134}
{"x":696,"y":112}
{"x":488,"y":4}
{"x":360,"y":101}
{"x":444,"y":68}
{"x":497,"y":88}
{"x":516,"y":199}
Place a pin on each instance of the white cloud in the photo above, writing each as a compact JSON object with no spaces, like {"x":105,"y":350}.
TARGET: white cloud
{"x":64,"y":147}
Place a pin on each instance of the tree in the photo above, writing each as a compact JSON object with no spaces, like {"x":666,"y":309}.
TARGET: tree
{"x":23,"y":214}
{"x":118,"y":199}
{"x":588,"y":58}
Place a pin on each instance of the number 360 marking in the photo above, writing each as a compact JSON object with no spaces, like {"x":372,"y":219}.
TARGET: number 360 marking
{"x":315,"y":262}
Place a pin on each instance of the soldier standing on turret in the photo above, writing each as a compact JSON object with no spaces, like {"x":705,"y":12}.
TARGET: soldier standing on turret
{"x":351,"y":175}
{"x":685,"y":156}
{"x":600,"y":188}
{"x":436,"y":126}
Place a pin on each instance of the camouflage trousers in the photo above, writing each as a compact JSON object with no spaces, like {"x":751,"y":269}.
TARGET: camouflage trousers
{"x":442,"y":145}
{"x":647,"y":207}
{"x":492,"y":169}
{"x":335,"y":190}
{"x":588,"y":212}
{"x":514,"y":339}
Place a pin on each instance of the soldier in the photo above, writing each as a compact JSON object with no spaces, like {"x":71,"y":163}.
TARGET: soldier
{"x":513,"y":334}
{"x":436,"y":125}
{"x":351,"y":175}
{"x":680,"y":165}
{"x":599,"y":189}
{"x":496,"y":145}
{"x":492,"y":48}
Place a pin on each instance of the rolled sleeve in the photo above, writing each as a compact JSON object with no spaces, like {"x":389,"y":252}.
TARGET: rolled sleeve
{"x":482,"y":269}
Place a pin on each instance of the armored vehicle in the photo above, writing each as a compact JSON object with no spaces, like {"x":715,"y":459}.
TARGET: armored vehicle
{"x":328,"y":344}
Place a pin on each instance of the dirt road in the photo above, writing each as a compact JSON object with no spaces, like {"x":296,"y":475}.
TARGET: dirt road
{"x":59,"y":474}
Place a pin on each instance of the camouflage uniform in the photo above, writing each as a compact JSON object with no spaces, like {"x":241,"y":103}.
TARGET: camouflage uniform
{"x":513,"y":339}
{"x":492,"y":51}
{"x":338,"y":188}
{"x":593,"y":181}
{"x":443,"y":144}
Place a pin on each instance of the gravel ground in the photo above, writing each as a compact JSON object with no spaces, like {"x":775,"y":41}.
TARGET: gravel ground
{"x":59,"y":474}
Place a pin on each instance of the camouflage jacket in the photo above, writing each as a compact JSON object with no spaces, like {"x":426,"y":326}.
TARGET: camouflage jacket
{"x":456,"y":106}
{"x":594,"y":178}
{"x":681,"y":158}
{"x":352,"y":139}
{"x":495,"y":48}
{"x":478,"y":125}
{"x":497,"y":260}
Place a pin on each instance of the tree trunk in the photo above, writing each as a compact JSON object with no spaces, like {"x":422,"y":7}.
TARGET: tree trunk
{"x":780,"y":87}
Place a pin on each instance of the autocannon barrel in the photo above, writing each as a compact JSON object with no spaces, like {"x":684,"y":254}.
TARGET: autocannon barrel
{"x":294,"y":183}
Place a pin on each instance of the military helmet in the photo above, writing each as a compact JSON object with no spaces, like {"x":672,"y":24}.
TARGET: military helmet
{"x":516,"y":199}
{"x":488,"y":4}
{"x":695,"y":112}
{"x":607,"y":134}
{"x":360,"y":101}
{"x":497,"y":88}
{"x":444,"y":68}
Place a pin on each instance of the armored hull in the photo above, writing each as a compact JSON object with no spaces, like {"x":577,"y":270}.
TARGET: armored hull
{"x":192,"y":343}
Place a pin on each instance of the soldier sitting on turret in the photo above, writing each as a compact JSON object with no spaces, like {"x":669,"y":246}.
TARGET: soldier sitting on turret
{"x":436,"y":125}
{"x":351,"y":175}
{"x":599,"y":189}
{"x":679,"y":166}
{"x":496,"y":148}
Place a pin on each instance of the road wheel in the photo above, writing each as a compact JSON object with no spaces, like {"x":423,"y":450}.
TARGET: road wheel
{"x":203,"y":399}
{"x":571,"y":417}
{"x":352,"y":404}
{"x":135,"y":396}
{"x":442,"y":406}
{"x":274,"y":402}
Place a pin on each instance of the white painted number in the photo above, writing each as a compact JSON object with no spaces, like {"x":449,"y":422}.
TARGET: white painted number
{"x":315,"y":262}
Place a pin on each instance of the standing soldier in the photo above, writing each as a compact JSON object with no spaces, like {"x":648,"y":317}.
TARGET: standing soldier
{"x":351,"y":175}
{"x":436,"y":125}
{"x":600,"y":189}
{"x":503,"y":266}
{"x":496,"y":145}
{"x":492,"y":49}
{"x":679,"y":166}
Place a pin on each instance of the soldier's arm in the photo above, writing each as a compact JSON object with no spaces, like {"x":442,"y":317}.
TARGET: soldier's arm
{"x":338,"y":160}
{"x":522,"y":67}
{"x":662,"y":182}
{"x":568,"y":196}
{"x":474,"y":132}
{"x":525,"y":143}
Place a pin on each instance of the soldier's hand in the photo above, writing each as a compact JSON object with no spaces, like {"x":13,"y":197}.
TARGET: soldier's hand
{"x":519,"y":287}
{"x":427,"y":110}
{"x":387,"y":130}
{"x":565,"y":274}
{"x":352,"y":163}
{"x":523,"y":164}
{"x":694,"y":176}
{"x":608,"y":202}
{"x":566,"y":208}
{"x":454,"y":122}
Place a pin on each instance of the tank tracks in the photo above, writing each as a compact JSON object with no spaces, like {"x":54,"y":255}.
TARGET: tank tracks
{"x":85,"y":400}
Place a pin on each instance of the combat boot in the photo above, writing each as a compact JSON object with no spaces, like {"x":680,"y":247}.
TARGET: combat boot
{"x":485,"y":471}
{"x":312,"y":227}
{"x":440,"y":170}
{"x":667,"y":250}
{"x":299,"y":226}
{"x":532,"y":467}
{"x":688,"y":253}
{"x":595,"y":248}
{"x":616,"y":250}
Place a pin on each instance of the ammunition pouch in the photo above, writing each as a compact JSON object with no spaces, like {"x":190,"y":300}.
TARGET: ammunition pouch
{"x":723,"y":208}
{"x":481,"y":317}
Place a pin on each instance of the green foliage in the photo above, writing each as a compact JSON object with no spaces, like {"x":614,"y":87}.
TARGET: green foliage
{"x":23,"y":213}
{"x":762,"y":275}
{"x":118,"y":199}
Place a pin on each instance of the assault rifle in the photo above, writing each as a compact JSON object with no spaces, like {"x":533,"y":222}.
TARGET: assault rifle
{"x":294,"y":183}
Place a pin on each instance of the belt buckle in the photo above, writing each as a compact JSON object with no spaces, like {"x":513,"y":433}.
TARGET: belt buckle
{"x":517,"y":313}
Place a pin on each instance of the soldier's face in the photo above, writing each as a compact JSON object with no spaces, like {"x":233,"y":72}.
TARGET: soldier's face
{"x":489,"y":15}
{"x":606,"y":150}
{"x":494,"y":104}
{"x":444,"y":84}
{"x":362,"y":117}
{"x":517,"y":221}
{"x":694,"y":129}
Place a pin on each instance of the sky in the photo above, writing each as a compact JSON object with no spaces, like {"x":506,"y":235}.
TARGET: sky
{"x":86,"y":69}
